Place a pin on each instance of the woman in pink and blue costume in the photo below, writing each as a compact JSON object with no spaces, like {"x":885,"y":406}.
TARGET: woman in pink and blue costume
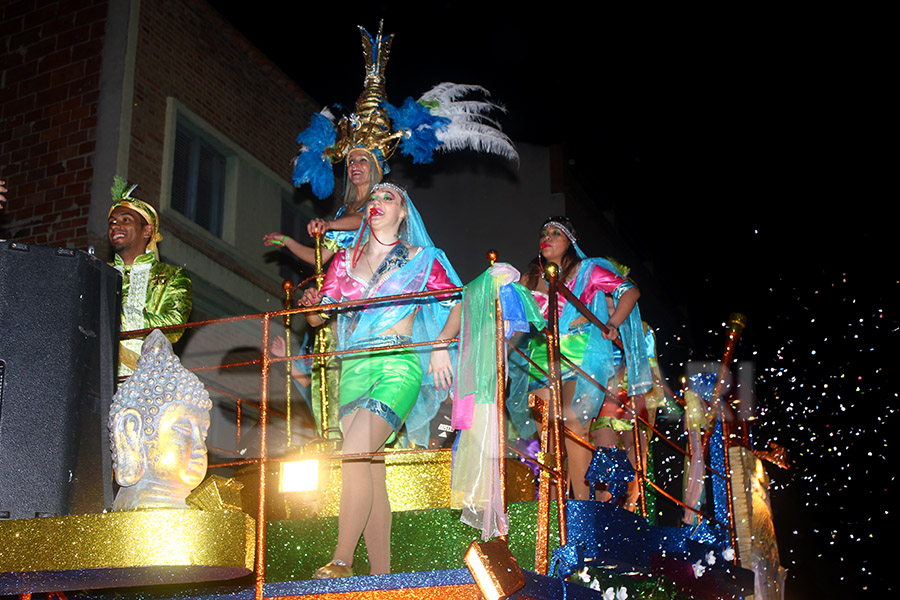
{"x":591,"y":280}
{"x":380,"y":391}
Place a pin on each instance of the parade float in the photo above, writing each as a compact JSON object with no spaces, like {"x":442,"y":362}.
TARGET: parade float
{"x":257,"y":534}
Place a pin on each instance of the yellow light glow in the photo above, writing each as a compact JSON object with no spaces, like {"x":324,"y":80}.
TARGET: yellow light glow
{"x":482,"y":578}
{"x":760,"y":471}
{"x":300,"y":476}
{"x":494,"y":569}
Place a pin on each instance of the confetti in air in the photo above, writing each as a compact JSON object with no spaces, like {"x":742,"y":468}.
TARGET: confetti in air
{"x":823,"y":352}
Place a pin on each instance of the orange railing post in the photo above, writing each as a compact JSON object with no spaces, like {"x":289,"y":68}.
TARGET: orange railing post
{"x":736,"y":323}
{"x":263,"y":455}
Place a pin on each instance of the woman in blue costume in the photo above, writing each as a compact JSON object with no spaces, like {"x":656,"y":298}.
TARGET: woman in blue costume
{"x":363,"y":171}
{"x":380,"y":391}
{"x":591,"y":280}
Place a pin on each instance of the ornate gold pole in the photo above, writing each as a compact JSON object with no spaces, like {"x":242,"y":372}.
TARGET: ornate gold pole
{"x":287,"y":285}
{"x":237,"y":421}
{"x":321,"y":346}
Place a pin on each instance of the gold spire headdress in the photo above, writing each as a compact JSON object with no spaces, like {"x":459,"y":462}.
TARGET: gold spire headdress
{"x":441,"y":119}
{"x":370,"y":126}
{"x":121,"y":196}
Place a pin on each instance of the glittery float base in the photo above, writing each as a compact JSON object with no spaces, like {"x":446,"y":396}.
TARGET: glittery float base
{"x":452,"y":584}
{"x":420,"y":541}
{"x":141,"y":547}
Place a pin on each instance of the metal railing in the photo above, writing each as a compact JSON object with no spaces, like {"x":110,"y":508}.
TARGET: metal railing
{"x":552,"y":427}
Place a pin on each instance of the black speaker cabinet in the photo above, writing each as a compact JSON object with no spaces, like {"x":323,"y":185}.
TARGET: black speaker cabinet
{"x":58,"y":331}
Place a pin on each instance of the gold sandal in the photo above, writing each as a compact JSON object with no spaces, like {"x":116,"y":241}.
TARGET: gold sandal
{"x":336,"y":568}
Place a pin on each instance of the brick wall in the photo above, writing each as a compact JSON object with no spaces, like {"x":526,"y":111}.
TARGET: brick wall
{"x":49,"y":89}
{"x":185,"y":50}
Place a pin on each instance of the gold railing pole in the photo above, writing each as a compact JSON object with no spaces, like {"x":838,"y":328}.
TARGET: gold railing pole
{"x":322,"y":346}
{"x":288,"y":287}
{"x":238,"y":411}
{"x":263,"y":456}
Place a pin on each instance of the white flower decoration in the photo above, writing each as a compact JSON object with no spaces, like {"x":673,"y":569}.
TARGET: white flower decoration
{"x":622,"y":594}
{"x":710,"y":558}
{"x":609,"y":594}
{"x":595,"y":585}
{"x":699,"y":569}
{"x":728,"y":554}
{"x":583,"y":575}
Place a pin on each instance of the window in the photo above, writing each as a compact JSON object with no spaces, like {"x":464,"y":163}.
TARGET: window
{"x":198,"y":180}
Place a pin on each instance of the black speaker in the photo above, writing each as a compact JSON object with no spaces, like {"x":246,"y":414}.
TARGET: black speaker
{"x":59,"y":323}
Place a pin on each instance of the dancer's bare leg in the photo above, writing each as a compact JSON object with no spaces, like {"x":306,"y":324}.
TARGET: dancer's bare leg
{"x":633,"y":492}
{"x":579,"y":457}
{"x":378,"y":529}
{"x":363,"y":432}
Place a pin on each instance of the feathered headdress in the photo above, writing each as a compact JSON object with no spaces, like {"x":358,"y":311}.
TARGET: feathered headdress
{"x":442,"y":119}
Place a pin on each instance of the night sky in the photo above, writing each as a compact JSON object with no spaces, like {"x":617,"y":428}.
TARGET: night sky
{"x":744,"y":152}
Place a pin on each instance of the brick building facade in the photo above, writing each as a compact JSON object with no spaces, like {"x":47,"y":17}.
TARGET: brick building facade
{"x":94,"y":89}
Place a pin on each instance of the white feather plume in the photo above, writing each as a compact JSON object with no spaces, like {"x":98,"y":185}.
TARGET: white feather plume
{"x":470,"y":126}
{"x":326,"y":112}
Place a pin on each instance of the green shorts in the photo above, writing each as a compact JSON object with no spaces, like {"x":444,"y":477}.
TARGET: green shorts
{"x":572,"y":346}
{"x":385,"y":383}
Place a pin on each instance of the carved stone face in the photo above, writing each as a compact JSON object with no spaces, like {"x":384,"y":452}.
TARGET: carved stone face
{"x":158,"y":425}
{"x":159,"y":466}
{"x":177,"y":456}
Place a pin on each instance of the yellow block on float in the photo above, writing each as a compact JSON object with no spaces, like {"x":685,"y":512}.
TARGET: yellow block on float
{"x":415,"y":481}
{"x":123,"y":549}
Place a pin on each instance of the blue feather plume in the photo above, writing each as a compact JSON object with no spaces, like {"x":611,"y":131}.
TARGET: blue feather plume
{"x":311,"y":166}
{"x":419,"y":129}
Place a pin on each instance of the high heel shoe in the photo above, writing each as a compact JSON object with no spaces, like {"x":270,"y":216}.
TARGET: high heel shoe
{"x":336,"y":568}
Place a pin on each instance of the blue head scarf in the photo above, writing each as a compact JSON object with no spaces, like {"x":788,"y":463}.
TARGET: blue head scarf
{"x":360,"y":328}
